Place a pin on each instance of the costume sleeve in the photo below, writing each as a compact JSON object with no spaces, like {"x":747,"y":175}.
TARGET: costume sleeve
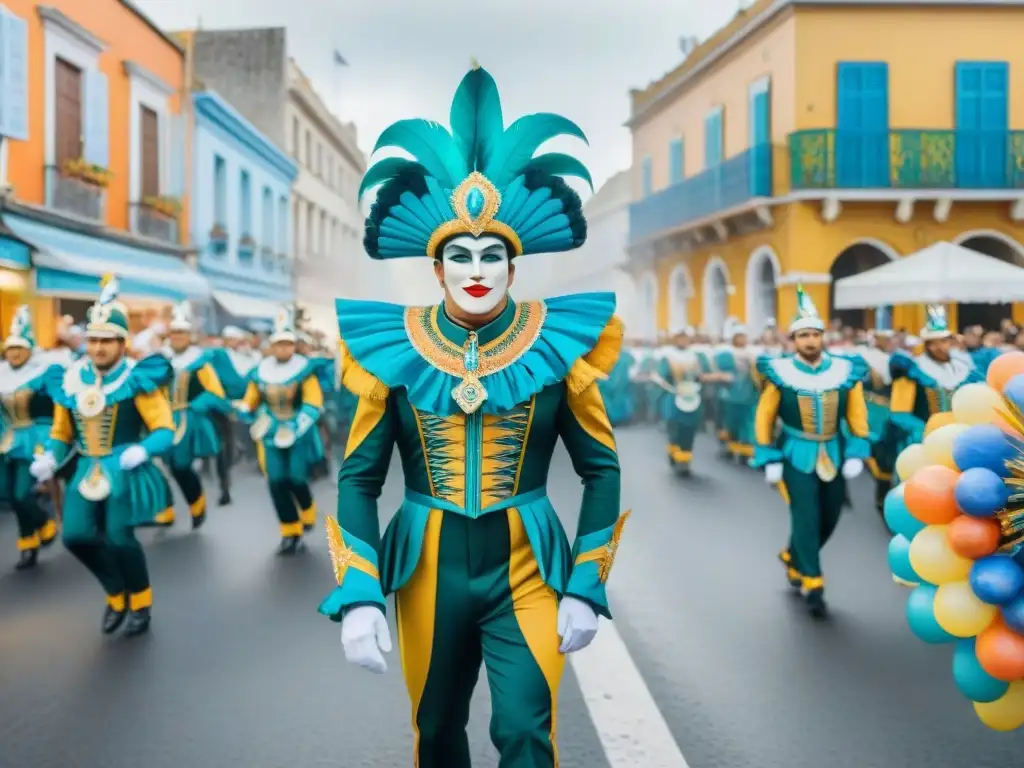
{"x":155,"y":411}
{"x":901,"y":408}
{"x":213,"y":397}
{"x":858,"y":444}
{"x":61,"y":433}
{"x":356,"y":540}
{"x":767,"y":412}
{"x":250,"y":401}
{"x":587,"y":434}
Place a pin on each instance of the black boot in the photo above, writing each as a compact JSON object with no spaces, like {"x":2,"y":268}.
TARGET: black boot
{"x":816,"y":603}
{"x":27,"y":559}
{"x":112,"y":620}
{"x":198,"y":520}
{"x":289,"y":545}
{"x":225,"y":498}
{"x":138,"y":623}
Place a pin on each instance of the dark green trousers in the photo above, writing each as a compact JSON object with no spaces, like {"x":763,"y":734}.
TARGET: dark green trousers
{"x":814,"y":510}
{"x":31,"y":517}
{"x":477,"y":597}
{"x":191,"y":486}
{"x":293,"y":503}
{"x":682,"y":432}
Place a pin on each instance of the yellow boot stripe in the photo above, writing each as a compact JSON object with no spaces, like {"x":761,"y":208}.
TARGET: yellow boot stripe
{"x":165,"y":517}
{"x":28,"y":542}
{"x":308,"y":516}
{"x":139,"y":600}
{"x":116,"y":602}
{"x":291,"y":529}
{"x":813,"y":582}
{"x":198,"y":507}
{"x":48,"y":531}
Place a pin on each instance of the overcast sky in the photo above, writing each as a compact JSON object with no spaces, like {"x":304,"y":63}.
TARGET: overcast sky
{"x":575,"y":57}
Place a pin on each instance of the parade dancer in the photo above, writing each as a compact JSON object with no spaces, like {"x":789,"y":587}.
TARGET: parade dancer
{"x":196,"y":394}
{"x":283,"y":402}
{"x":105,"y":403}
{"x":877,"y":386}
{"x":679,"y":376}
{"x":812,"y":393}
{"x":737,"y":392}
{"x":26,"y":421}
{"x":923,"y":384}
{"x":232,"y":363}
{"x":475,"y":393}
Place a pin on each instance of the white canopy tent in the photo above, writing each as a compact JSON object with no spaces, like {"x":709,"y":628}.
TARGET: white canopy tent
{"x":942,"y":273}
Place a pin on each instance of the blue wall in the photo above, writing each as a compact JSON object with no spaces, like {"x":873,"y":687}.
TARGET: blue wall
{"x":221,"y":132}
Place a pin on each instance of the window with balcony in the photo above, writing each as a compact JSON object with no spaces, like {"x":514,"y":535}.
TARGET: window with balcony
{"x":646,"y":177}
{"x":68,"y":108}
{"x":267,"y":229}
{"x":675,"y":161}
{"x":246,"y":243}
{"x":149,"y":127}
{"x":714,"y":144}
{"x":219,"y":234}
{"x":282,"y":225}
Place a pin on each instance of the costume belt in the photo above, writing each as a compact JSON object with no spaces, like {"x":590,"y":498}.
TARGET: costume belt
{"x":518,"y":500}
{"x":810,"y":436}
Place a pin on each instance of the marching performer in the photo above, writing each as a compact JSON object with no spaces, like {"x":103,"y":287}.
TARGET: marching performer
{"x":196,"y":394}
{"x":812,"y":393}
{"x":679,"y":376}
{"x":284,"y":402}
{"x":105,"y":404}
{"x":737,"y":393}
{"x":26,"y":420}
{"x":877,"y":386}
{"x":233,"y":363}
{"x":475,"y":392}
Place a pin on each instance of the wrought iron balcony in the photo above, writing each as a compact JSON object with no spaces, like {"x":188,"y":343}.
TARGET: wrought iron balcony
{"x":73,"y":195}
{"x":149,"y":222}
{"x":906,"y":159}
{"x":727,"y":185}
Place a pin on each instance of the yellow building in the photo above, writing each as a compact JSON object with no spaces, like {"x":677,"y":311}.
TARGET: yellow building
{"x":808,"y":141}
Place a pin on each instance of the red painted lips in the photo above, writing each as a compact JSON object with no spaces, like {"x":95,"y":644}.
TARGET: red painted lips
{"x":477,"y":290}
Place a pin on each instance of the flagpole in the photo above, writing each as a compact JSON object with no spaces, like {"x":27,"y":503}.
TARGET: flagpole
{"x":339,"y":64}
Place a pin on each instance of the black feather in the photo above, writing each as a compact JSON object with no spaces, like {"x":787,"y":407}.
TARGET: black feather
{"x":388,"y":196}
{"x":572,"y":206}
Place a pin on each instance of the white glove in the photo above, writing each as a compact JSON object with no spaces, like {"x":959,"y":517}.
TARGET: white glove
{"x":852,"y":468}
{"x":364,"y":635}
{"x":43,"y":467}
{"x":773,"y":473}
{"x":577,"y":624}
{"x":133,"y":456}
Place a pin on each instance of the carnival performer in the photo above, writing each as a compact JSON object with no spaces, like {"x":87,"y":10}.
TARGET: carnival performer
{"x":877,"y":390}
{"x":737,"y":392}
{"x":923,"y":384}
{"x":679,"y":376}
{"x":26,"y":420}
{"x":475,"y":392}
{"x":812,"y":393}
{"x":105,"y":403}
{"x":283,"y":402}
{"x":707,"y":356}
{"x":196,"y":394}
{"x":233,"y":363}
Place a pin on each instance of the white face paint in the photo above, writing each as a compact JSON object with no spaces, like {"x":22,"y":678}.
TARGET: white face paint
{"x":476,"y":272}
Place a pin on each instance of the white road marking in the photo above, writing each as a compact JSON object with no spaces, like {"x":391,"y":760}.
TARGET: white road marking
{"x":628,"y":722}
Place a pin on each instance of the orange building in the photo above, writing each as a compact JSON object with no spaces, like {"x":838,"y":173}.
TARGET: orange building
{"x":94,"y":166}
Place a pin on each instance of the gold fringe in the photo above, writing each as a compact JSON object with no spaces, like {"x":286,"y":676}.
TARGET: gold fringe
{"x":357,"y":379}
{"x":599,"y":361}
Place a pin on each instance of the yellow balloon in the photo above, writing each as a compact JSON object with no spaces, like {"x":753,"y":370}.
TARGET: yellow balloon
{"x":933,"y":560}
{"x":959,"y":612}
{"x":911,"y":459}
{"x":1005,"y":713}
{"x":937,"y":421}
{"x":976,"y":404}
{"x":938,"y":446}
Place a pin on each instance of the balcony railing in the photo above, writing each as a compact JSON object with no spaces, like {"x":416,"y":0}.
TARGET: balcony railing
{"x":727,"y":185}
{"x":906,"y":159}
{"x":149,"y":222}
{"x":66,"y":193}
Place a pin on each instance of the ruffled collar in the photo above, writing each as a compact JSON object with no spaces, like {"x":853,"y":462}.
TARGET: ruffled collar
{"x":832,"y":372}
{"x":12,"y":379}
{"x":271,"y":371}
{"x":185,"y":360}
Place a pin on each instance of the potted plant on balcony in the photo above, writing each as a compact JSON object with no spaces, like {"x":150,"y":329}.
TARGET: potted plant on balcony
{"x":165,"y":205}
{"x":88,"y":173}
{"x":219,"y":239}
{"x":246,"y":247}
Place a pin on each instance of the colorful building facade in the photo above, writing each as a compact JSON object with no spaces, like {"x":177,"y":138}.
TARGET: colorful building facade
{"x":242,"y":214}
{"x":94,"y":163}
{"x":805,"y":142}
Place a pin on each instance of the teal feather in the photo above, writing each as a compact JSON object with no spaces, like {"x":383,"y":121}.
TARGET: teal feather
{"x":558,"y":164}
{"x":431,"y":145}
{"x":476,"y":118}
{"x":385,"y":170}
{"x":516,"y":147}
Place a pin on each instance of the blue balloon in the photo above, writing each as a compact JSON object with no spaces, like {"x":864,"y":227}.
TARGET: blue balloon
{"x":1014,"y":389}
{"x":899,"y":560}
{"x":921,"y":616}
{"x":973,"y":681}
{"x":997,"y":579}
{"x":984,"y":446}
{"x":981,"y":492}
{"x":1013,"y":615}
{"x":898,"y":517}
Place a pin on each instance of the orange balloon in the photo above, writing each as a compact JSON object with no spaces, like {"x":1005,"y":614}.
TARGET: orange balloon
{"x":939,"y":420}
{"x":973,"y":537}
{"x":929,"y":495}
{"x":1004,"y":368}
{"x":1001,"y":652}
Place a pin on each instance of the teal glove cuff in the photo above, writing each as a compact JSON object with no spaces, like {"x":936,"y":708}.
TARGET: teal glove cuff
{"x":593,"y":556}
{"x":355,"y":568}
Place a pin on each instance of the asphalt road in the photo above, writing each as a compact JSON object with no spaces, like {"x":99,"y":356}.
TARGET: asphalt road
{"x":240,"y":670}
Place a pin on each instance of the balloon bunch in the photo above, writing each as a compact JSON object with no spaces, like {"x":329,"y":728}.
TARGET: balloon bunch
{"x":958,"y":524}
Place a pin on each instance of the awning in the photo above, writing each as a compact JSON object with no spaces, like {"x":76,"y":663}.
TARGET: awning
{"x":942,"y":273}
{"x":71,"y":264}
{"x":246,"y":307}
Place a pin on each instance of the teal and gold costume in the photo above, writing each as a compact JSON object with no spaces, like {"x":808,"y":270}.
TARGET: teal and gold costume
{"x":476,"y":556}
{"x":24,"y":429}
{"x":815,"y":452}
{"x":884,"y":438}
{"x":116,"y":419}
{"x":679,"y":377}
{"x":284,"y":402}
{"x":737,"y":396}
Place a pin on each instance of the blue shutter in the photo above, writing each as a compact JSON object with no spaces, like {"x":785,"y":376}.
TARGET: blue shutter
{"x":862,"y":125}
{"x":647,"y":183}
{"x":675,"y":161}
{"x":13,"y":76}
{"x":97,"y":120}
{"x":982,"y":124}
{"x":760,"y":118}
{"x":713,"y":144}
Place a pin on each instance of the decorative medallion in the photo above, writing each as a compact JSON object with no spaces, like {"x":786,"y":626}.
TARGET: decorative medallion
{"x":476,"y":202}
{"x":90,"y":402}
{"x":284,"y":436}
{"x":470,"y":394}
{"x":95,"y":486}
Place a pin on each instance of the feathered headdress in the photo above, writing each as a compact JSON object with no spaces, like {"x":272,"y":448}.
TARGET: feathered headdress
{"x":284,"y":325}
{"x":481,"y":178}
{"x":108,"y":317}
{"x":936,"y":328}
{"x":182,"y":318}
{"x":21,"y":334}
{"x":807,"y":317}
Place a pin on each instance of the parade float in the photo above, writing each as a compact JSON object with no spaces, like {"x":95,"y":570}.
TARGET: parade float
{"x":958,"y":522}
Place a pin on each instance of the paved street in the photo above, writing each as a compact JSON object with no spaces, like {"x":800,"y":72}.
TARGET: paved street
{"x":240,"y":670}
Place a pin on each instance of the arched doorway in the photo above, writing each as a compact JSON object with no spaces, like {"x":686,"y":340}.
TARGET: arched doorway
{"x":715,"y":292}
{"x":1004,"y":248}
{"x":648,"y":310}
{"x":680,"y":289}
{"x":762,"y":290}
{"x":857,"y":258}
